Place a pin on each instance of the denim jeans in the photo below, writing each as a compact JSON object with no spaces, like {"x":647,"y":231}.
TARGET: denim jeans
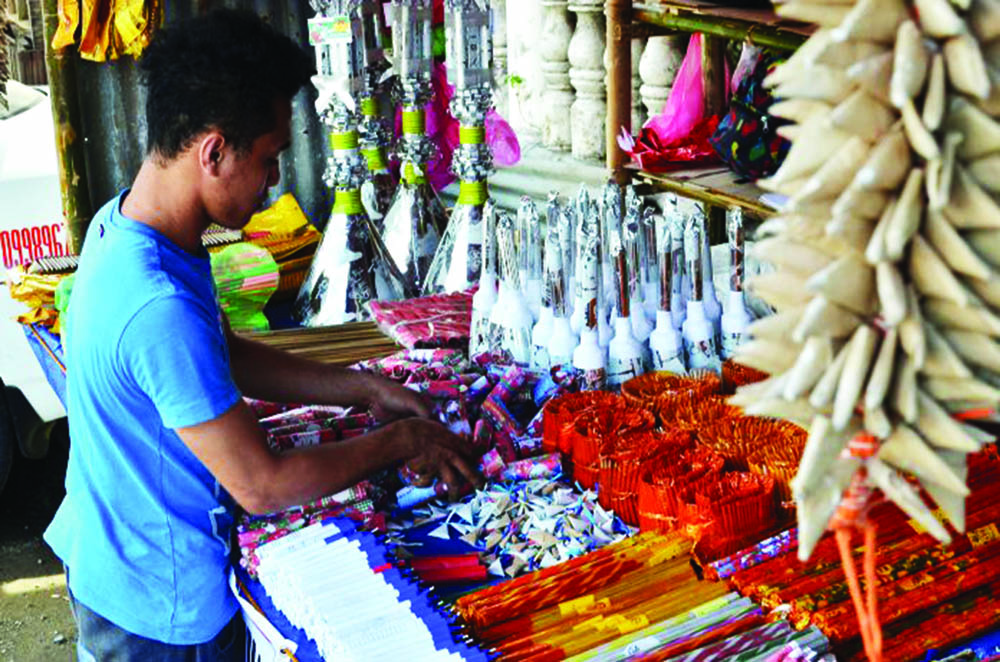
{"x":100,"y":640}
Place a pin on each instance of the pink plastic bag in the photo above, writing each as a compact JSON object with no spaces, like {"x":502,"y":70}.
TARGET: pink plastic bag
{"x":442,"y":128}
{"x":685,"y":106}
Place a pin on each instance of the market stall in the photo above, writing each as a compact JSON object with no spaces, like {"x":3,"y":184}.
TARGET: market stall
{"x":683,"y":415}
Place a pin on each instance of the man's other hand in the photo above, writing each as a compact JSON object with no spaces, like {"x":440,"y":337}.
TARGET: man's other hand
{"x":438,"y":453}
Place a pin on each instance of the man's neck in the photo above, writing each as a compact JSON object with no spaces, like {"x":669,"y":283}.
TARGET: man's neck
{"x":163,"y":198}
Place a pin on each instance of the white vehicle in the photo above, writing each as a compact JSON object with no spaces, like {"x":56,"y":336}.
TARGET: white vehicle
{"x":31,"y":226}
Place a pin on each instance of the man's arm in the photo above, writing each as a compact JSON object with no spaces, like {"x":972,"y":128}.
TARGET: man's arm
{"x":267,"y":373}
{"x":233,"y":447}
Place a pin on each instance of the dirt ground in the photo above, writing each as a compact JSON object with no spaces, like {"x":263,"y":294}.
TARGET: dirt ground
{"x":35,"y":621}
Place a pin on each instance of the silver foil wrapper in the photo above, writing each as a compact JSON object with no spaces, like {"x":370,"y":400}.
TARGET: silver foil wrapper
{"x":665,"y":262}
{"x":734,"y":229}
{"x":411,"y":231}
{"x":469,"y":43}
{"x":373,"y":28}
{"x":376,"y":195}
{"x":692,"y":255}
{"x":458,"y":260}
{"x":412,"y":50}
{"x":344,"y":276}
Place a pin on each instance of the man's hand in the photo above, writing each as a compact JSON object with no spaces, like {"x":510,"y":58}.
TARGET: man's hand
{"x":390,"y":401}
{"x":438,"y":453}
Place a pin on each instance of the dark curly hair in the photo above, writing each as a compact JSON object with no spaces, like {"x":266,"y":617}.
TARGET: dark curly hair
{"x":223,"y":70}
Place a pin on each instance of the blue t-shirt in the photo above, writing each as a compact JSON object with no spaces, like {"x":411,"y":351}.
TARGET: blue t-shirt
{"x":144,"y":528}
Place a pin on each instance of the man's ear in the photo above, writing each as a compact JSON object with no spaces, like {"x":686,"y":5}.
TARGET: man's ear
{"x":210,"y":152}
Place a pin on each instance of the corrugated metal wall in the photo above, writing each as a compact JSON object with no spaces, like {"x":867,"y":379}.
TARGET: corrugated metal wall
{"x":112,"y":115}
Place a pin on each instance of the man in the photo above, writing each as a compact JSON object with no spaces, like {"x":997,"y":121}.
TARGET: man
{"x":160,"y":433}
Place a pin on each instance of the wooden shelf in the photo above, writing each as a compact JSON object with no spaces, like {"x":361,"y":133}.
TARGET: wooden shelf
{"x":716,"y":185}
{"x":761,"y":26}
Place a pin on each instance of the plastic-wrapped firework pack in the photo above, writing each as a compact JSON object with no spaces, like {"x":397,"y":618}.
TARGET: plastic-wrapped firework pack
{"x":482,"y":333}
{"x":511,"y":315}
{"x":416,"y":219}
{"x":469,"y":60}
{"x":680,"y":284}
{"x":541,"y":334}
{"x":589,"y":357}
{"x":351,"y":266}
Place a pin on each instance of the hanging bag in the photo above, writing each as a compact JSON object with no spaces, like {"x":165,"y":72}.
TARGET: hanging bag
{"x":746,"y":138}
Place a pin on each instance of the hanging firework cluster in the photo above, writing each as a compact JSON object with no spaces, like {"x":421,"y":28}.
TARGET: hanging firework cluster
{"x":469,"y":58}
{"x":416,"y":219}
{"x":352,"y":265}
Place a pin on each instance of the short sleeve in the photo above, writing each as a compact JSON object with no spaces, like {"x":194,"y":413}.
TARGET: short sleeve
{"x":176,"y":353}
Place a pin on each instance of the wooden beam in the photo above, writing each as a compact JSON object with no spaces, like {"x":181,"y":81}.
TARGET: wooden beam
{"x":713,"y":74}
{"x":619,"y":45}
{"x":77,"y":208}
{"x":686,"y":20}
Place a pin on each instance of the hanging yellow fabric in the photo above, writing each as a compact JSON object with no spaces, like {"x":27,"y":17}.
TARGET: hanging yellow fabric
{"x":108,"y":28}
{"x":69,"y":19}
{"x":135,"y":21}
{"x":95,"y":30}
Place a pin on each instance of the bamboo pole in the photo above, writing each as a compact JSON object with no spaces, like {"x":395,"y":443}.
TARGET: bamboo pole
{"x":713,"y":74}
{"x":619,"y":44}
{"x":683,"y":20}
{"x":77,"y":207}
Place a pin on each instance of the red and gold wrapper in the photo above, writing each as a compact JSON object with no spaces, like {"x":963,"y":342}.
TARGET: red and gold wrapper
{"x":622,"y":463}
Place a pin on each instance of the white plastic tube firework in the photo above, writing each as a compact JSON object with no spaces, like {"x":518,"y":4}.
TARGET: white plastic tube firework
{"x":665,"y":343}
{"x":562,"y":340}
{"x":713,"y":309}
{"x":625,"y":353}
{"x":542,"y":330}
{"x":632,"y":242}
{"x":698,"y":333}
{"x":579,"y":315}
{"x":736,"y":318}
{"x":529,"y":256}
{"x":680,"y":283}
{"x":483,"y":336}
